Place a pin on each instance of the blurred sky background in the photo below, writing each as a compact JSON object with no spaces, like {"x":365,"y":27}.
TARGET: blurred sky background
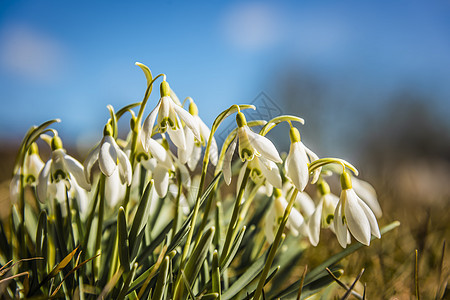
{"x":342,"y":65}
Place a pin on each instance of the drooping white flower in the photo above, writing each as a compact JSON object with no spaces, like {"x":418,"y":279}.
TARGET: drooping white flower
{"x":191,"y":155}
{"x":261,"y":169}
{"x":298,"y":160}
{"x":33,"y":165}
{"x":60,"y":168}
{"x":252,"y":145}
{"x":324,"y":213}
{"x":368,"y":194}
{"x":353,"y":214}
{"x":295,"y":223}
{"x":110,"y":157}
{"x":169,"y":119}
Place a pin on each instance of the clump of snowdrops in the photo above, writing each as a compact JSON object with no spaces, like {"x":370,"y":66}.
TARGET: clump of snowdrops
{"x":150,"y":216}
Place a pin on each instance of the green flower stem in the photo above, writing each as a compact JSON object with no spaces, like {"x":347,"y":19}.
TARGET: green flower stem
{"x":330,"y":160}
{"x":274,"y":247}
{"x":101,"y":212}
{"x":214,"y":127}
{"x":234,"y":217}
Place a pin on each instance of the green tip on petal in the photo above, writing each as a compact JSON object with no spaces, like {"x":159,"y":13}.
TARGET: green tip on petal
{"x":165,"y":144}
{"x":294,"y":135}
{"x":346,"y":182}
{"x":240,"y":120}
{"x":56,"y":143}
{"x":323,"y":187}
{"x":107,"y":130}
{"x":164,"y":89}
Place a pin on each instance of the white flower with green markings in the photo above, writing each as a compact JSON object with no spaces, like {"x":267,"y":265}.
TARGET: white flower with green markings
{"x":110,"y":157}
{"x":168,"y":117}
{"x":60,"y":168}
{"x":353,"y":214}
{"x":251,"y":146}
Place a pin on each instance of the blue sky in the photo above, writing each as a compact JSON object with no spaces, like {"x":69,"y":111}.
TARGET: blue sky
{"x":69,"y":59}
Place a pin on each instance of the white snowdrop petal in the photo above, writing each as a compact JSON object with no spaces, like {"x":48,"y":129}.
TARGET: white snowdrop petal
{"x":357,"y":222}
{"x":272,"y":174}
{"x":371,"y":218}
{"x":43,"y":181}
{"x":297,"y":166}
{"x":194,"y":158}
{"x":314,"y":224}
{"x":77,"y":171}
{"x":227,"y":162}
{"x":161,"y":178}
{"x":269,"y":224}
{"x":264,"y":146}
{"x":147,"y":127}
{"x":189,"y":120}
{"x":177,"y":137}
{"x":367,"y":194}
{"x":339,"y":226}
{"x":157,"y":150}
{"x":107,"y":158}
{"x":305,"y":203}
{"x":185,"y":154}
{"x":90,"y":161}
{"x":125,"y":170}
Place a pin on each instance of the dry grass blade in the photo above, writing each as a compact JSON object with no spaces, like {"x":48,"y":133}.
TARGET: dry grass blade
{"x":349,"y":291}
{"x":416,"y":275}
{"x":110,"y":285}
{"x":3,"y":269}
{"x":153,"y":272}
{"x":302,"y":280}
{"x":346,"y":287}
{"x":73,"y":271}
{"x":442,"y":283}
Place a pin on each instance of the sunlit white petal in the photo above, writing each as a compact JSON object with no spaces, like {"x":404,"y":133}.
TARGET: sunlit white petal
{"x":264,"y":146}
{"x":107,"y":159}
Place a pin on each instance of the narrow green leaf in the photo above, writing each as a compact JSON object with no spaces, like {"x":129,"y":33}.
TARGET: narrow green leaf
{"x":126,"y":284}
{"x":210,"y":296}
{"x":161,"y":282}
{"x":141,"y":212}
{"x":234,"y":248}
{"x":271,"y":275}
{"x":122,"y":233}
{"x":216,"y":274}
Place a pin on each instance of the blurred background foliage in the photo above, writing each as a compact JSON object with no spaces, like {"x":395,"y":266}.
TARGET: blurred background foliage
{"x":372,"y":81}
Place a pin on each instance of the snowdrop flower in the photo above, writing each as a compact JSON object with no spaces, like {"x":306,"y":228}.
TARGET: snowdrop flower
{"x":368,"y":194}
{"x":297,"y":161}
{"x":60,"y":168}
{"x":110,"y":157}
{"x":324,"y":213}
{"x":353,"y":214}
{"x":191,"y":155}
{"x":33,"y":165}
{"x":251,"y":146}
{"x":295,"y":223}
{"x":169,"y":119}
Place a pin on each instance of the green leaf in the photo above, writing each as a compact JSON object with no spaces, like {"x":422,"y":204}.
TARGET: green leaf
{"x":126,"y":284}
{"x":123,"y":246}
{"x":138,"y":223}
{"x":161,"y":282}
{"x":234,"y":248}
{"x":216,"y":274}
{"x":210,"y":296}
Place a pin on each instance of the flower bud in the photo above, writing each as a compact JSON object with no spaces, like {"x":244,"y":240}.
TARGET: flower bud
{"x":107,"y":130}
{"x":193,"y":110}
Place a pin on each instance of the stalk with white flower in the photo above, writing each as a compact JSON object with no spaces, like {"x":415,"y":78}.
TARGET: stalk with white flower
{"x":353,"y":214}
